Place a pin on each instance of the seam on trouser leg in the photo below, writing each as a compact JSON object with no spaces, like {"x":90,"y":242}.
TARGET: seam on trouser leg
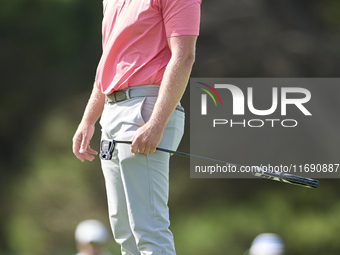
{"x":152,"y":202}
{"x":107,"y":167}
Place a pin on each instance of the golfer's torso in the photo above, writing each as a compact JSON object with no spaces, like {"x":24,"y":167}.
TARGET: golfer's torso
{"x":135,"y":49}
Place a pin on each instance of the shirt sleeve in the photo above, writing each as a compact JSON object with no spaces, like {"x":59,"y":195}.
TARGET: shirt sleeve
{"x":181,"y":17}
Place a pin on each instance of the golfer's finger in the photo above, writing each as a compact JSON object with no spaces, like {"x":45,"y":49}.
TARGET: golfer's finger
{"x":137,"y":148}
{"x":90,"y":150}
{"x":79,"y":155}
{"x":147,"y":149}
{"x":142,"y":149}
{"x":88,"y":157}
{"x":152,"y":149}
{"x":84,"y":144}
{"x":134,"y":145}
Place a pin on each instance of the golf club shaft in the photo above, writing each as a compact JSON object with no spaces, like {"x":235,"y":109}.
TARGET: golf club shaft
{"x":187,"y":155}
{"x":258,"y":172}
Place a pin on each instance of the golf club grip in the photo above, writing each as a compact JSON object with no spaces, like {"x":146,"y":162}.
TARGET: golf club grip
{"x":271,"y":175}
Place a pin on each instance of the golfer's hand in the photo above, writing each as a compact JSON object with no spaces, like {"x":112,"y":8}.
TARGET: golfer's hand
{"x":146,"y":139}
{"x":81,"y":142}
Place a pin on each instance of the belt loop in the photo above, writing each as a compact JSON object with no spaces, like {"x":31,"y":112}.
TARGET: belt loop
{"x":127,"y":93}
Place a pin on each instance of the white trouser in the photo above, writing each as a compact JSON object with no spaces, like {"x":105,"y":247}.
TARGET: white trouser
{"x":137,"y":185}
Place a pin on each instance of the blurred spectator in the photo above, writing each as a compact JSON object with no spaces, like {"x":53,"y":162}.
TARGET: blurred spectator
{"x":91,"y":237}
{"x":267,"y":244}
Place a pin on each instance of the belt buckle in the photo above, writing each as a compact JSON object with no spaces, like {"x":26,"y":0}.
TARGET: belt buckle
{"x":117,"y":97}
{"x":127,"y":94}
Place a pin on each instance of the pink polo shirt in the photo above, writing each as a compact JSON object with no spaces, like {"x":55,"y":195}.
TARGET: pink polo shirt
{"x":135,"y":32}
